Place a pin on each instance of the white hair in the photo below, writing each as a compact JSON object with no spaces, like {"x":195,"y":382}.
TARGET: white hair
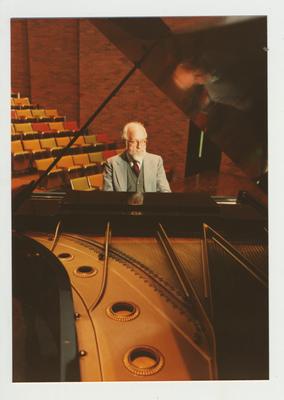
{"x":130,"y":125}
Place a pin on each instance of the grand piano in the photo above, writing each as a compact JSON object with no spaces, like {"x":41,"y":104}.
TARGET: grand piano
{"x":151,"y":286}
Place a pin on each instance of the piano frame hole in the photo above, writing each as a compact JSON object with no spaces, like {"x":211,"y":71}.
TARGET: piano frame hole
{"x":85,"y":271}
{"x":65,"y":256}
{"x":123,"y":311}
{"x":143,"y":360}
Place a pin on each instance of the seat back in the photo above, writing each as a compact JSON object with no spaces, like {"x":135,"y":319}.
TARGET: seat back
{"x":22,"y":101}
{"x":96,"y":181}
{"x":38,"y":113}
{"x":51,"y":113}
{"x":58,"y":126}
{"x":102,"y":138}
{"x":31,"y":145}
{"x":48,"y":143}
{"x":81,"y":159}
{"x":16,"y":146}
{"x":62,"y":141}
{"x":65,"y":162}
{"x":43,"y":164}
{"x":72,"y":125}
{"x":26,"y":127}
{"x":40,"y":126}
{"x":90,"y":139}
{"x":96,"y":157}
{"x":108,"y":153}
{"x":80,"y":141}
{"x":22,"y":114}
{"x":81,"y":183}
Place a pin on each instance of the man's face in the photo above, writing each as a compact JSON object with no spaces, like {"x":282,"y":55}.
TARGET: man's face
{"x":136,"y":142}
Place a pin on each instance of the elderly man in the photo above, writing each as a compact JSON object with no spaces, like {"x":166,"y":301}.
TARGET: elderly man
{"x":135,"y":170}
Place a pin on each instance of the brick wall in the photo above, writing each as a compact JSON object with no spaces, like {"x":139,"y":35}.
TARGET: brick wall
{"x":54,"y":64}
{"x":20,"y":74}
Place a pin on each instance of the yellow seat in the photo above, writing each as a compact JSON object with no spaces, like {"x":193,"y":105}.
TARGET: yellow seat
{"x":51,"y":113}
{"x":38,"y":113}
{"x":90,"y":139}
{"x":80,"y":142}
{"x":17,"y":147}
{"x":66,"y":162}
{"x":21,"y":159}
{"x":96,"y":181}
{"x":23,"y":128}
{"x":57,"y":126}
{"x":22,"y":101}
{"x":55,"y":177}
{"x":62,"y":141}
{"x":32,"y":145}
{"x":81,"y":183}
{"x":44,"y":163}
{"x":96,"y":157}
{"x":83,"y":160}
{"x":48,"y":143}
{"x":24,"y":114}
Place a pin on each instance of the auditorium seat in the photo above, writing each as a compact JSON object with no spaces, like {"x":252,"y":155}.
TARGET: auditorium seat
{"x":41,"y":127}
{"x":24,"y":128}
{"x":96,"y":157}
{"x":50,"y":144}
{"x":20,"y":158}
{"x":80,"y":142}
{"x":24,"y":114}
{"x":39,"y":114}
{"x":71,"y":126}
{"x":96,"y":181}
{"x":84,"y":161}
{"x":62,"y":141}
{"x":14,"y":134}
{"x":81,"y":183}
{"x":22,"y":101}
{"x":102,"y":138}
{"x":108,"y":153}
{"x":34,"y":146}
{"x":53,"y":114}
{"x":91,"y":139}
{"x":57,"y":126}
{"x":55,"y":178}
{"x":66,"y":162}
{"x":13,"y":115}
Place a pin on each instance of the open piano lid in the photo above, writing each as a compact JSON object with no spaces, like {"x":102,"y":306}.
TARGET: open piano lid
{"x":235,"y":47}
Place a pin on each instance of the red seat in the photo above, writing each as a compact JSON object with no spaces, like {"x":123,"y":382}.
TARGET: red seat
{"x":72,"y":125}
{"x":108,"y":153}
{"x":102,"y":138}
{"x":42,"y":127}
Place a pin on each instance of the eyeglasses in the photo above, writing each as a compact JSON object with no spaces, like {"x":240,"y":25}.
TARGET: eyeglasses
{"x":137,"y":142}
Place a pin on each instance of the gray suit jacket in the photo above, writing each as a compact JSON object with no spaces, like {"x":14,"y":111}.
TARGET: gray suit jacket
{"x":115,"y":174}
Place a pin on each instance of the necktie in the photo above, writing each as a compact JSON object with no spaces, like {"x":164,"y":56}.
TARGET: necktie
{"x":136,"y":168}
